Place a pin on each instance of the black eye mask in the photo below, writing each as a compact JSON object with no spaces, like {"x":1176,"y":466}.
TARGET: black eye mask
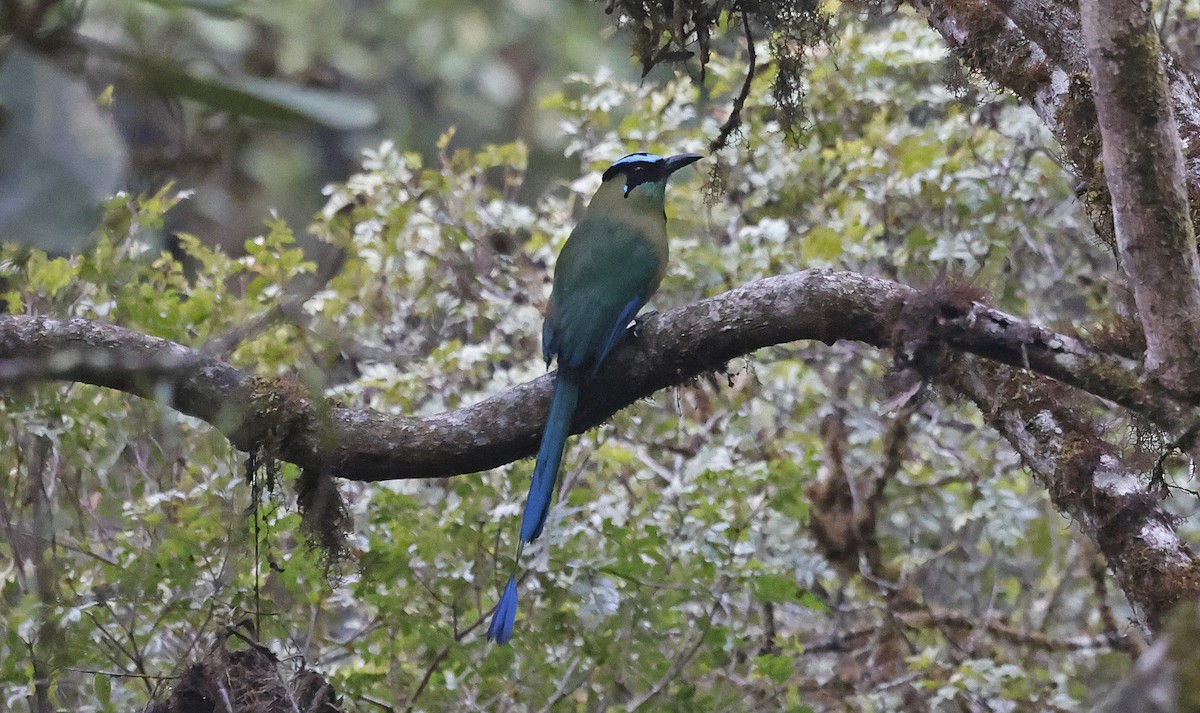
{"x":636,"y":172}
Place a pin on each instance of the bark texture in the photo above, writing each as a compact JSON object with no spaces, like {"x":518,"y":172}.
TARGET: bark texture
{"x":1145,"y":173}
{"x":670,"y":348}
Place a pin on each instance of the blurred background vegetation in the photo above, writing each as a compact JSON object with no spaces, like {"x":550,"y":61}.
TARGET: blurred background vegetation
{"x":680,"y":570}
{"x":257,"y":105}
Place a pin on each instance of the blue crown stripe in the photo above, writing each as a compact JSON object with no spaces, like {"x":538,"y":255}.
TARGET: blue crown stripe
{"x":639,"y":158}
{"x":628,"y":162}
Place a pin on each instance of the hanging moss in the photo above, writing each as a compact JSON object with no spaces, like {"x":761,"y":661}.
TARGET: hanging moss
{"x":684,"y":30}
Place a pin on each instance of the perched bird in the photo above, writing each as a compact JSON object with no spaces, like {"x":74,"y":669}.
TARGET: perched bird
{"x":611,"y":264}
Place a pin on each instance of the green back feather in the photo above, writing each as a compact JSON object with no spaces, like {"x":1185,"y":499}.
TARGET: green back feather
{"x":616,"y":256}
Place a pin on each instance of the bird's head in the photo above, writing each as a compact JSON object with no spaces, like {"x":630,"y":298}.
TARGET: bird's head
{"x":645,"y":174}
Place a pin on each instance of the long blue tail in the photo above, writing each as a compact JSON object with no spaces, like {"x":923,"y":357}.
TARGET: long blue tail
{"x":541,"y":490}
{"x":549,"y":457}
{"x":501,"y":628}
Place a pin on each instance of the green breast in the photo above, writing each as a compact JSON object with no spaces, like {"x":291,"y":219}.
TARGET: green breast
{"x":605,"y":265}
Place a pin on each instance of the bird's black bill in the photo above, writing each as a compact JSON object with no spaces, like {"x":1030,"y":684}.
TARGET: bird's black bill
{"x":674,"y":163}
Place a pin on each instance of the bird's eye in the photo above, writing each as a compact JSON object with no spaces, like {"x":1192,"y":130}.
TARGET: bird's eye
{"x":638,"y":175}
{"x":635,"y":177}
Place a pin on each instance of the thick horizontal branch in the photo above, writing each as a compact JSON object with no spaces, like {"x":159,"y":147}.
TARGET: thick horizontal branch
{"x":38,"y":349}
{"x":669,"y":348}
{"x":1083,"y":475}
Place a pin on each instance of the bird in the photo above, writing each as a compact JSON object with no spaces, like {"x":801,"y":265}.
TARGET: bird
{"x":611,"y":264}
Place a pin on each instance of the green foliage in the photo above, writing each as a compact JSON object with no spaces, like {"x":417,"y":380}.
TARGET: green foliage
{"x":677,"y":560}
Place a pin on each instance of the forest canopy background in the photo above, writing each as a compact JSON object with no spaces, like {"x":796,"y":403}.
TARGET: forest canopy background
{"x":803,"y":526}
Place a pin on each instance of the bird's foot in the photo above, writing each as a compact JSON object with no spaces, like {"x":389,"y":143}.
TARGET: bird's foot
{"x":639,"y":320}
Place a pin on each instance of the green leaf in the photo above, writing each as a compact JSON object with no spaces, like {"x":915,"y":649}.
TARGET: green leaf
{"x":245,"y":95}
{"x":783,"y":588}
{"x":822,"y":243}
{"x":810,"y":600}
{"x":776,"y":588}
{"x":775,"y":667}
{"x":49,"y":276}
{"x":260,"y":98}
{"x":102,"y":684}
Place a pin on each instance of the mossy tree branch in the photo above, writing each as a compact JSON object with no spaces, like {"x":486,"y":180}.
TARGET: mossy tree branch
{"x":1028,"y":51}
{"x":282,"y":419}
{"x":670,"y":348}
{"x":1087,"y":479}
{"x":1145,"y":172}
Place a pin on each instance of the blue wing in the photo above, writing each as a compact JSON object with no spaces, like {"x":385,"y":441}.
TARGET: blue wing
{"x":618,"y":330}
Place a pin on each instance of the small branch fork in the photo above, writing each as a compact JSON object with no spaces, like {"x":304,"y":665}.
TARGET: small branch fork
{"x":735,"y":114}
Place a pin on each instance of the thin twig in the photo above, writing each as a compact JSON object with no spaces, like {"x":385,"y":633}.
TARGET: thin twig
{"x":120,"y":674}
{"x":735,"y":116}
{"x":682,"y":659}
{"x":376,"y":702}
{"x":433,"y":666}
{"x":1098,"y":571}
{"x":566,"y":687}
